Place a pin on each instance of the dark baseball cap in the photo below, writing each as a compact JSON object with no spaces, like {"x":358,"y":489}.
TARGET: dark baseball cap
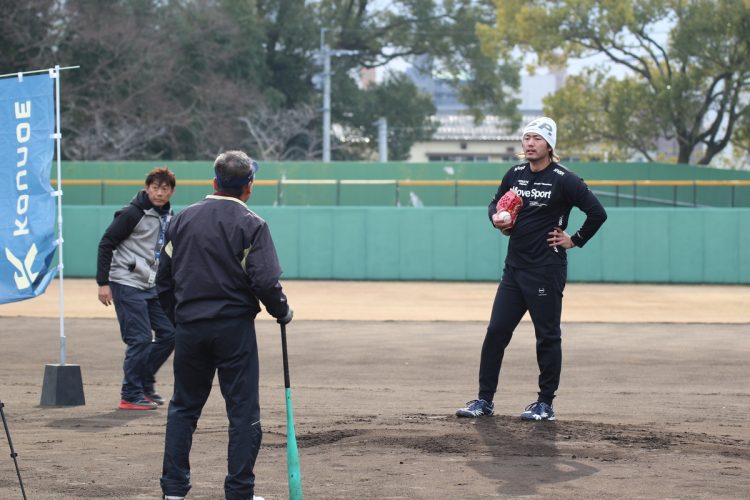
{"x":241,"y":181}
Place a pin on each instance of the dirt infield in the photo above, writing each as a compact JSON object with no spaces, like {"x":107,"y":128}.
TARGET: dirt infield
{"x":445,"y":301}
{"x":653,"y":401}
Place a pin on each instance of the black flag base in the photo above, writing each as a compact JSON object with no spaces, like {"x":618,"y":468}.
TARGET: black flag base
{"x":62,"y":386}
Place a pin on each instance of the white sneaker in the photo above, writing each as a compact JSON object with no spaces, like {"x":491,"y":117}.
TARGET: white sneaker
{"x":258,"y":498}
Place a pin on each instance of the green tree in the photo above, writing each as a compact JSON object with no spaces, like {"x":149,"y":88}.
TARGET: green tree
{"x":693,"y":87}
{"x":406,"y":110}
{"x":611,"y":116}
{"x":217,"y":46}
{"x":741,"y":139}
{"x":441,"y":34}
{"x":183,"y":79}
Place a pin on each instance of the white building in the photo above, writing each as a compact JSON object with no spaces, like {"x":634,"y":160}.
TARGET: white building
{"x":458,"y":138}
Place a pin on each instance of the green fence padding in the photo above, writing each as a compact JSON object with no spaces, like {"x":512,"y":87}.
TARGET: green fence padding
{"x":743,"y":248}
{"x":652,"y":245}
{"x":414,"y":233}
{"x":644,"y":245}
{"x":285,"y":225}
{"x":389,"y":195}
{"x":722,"y":256}
{"x":683,"y":234}
{"x":383,"y":254}
{"x":617,"y":244}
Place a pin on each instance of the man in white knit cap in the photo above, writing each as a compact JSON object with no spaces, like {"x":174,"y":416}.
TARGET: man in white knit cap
{"x":535,"y":269}
{"x":546,"y":128}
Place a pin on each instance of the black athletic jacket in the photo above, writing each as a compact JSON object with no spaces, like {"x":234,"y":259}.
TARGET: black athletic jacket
{"x":219,"y":262}
{"x":548,"y":197}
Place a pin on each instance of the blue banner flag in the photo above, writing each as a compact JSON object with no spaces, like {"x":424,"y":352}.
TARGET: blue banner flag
{"x":27,"y":226}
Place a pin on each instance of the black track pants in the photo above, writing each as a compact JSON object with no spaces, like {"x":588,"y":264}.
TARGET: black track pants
{"x":538,"y":290}
{"x":203,"y":348}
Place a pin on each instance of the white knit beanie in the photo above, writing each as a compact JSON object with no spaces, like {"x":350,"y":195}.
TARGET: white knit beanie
{"x":545,"y":127}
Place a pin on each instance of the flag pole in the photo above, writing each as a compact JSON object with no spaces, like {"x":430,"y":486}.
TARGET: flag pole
{"x":63,"y":384}
{"x":58,"y":194}
{"x":48,"y":70}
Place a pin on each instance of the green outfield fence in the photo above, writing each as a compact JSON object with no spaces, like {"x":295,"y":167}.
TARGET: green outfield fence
{"x":421,"y":193}
{"x":409,"y":184}
{"x":636,"y":245}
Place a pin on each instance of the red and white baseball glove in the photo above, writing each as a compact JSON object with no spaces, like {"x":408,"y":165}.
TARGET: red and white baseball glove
{"x":508,"y":207}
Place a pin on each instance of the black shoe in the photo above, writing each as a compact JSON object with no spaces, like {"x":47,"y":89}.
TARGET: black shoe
{"x":476,"y":408}
{"x":154,"y":398}
{"x":538,"y":411}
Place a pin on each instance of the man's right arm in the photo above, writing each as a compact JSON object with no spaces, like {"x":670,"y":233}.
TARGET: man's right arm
{"x":120,"y":229}
{"x":263,"y":268}
{"x":501,"y":190}
{"x":165,"y":283}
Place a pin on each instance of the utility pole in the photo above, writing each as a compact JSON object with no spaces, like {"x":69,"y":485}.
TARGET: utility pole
{"x":382,"y":139}
{"x":326,"y":53}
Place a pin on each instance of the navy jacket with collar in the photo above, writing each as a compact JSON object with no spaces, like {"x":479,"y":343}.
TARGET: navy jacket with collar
{"x":220,"y":261}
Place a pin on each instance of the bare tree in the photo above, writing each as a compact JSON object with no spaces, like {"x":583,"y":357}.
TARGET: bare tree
{"x":283,"y":134}
{"x":171,"y":79}
{"x":104,"y":140}
{"x":119,"y":104}
{"x":26,"y":33}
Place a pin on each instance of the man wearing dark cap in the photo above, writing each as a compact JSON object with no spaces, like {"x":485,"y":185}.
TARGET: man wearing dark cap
{"x":220,"y":264}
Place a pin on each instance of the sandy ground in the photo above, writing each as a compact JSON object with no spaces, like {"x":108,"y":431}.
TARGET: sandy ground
{"x":446,"y":301}
{"x":653,"y":401}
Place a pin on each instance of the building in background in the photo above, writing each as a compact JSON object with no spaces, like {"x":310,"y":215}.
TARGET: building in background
{"x":458,"y":138}
{"x":367,"y":77}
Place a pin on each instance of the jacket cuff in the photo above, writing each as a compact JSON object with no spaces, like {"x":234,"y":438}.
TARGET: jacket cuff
{"x":577,"y":240}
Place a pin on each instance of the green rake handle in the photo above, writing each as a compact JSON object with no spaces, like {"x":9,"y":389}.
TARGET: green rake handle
{"x":292,"y":454}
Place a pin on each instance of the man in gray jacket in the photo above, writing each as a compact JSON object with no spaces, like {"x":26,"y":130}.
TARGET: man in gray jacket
{"x":128,"y":259}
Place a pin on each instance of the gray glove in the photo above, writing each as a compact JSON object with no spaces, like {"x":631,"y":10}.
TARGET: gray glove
{"x":286,"y":319}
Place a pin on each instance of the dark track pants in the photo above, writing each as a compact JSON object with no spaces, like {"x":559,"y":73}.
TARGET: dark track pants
{"x":537,"y":290}
{"x":226,"y":345}
{"x":139,"y":312}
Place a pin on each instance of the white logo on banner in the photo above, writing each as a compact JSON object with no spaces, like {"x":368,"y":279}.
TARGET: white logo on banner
{"x":24,"y":278}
